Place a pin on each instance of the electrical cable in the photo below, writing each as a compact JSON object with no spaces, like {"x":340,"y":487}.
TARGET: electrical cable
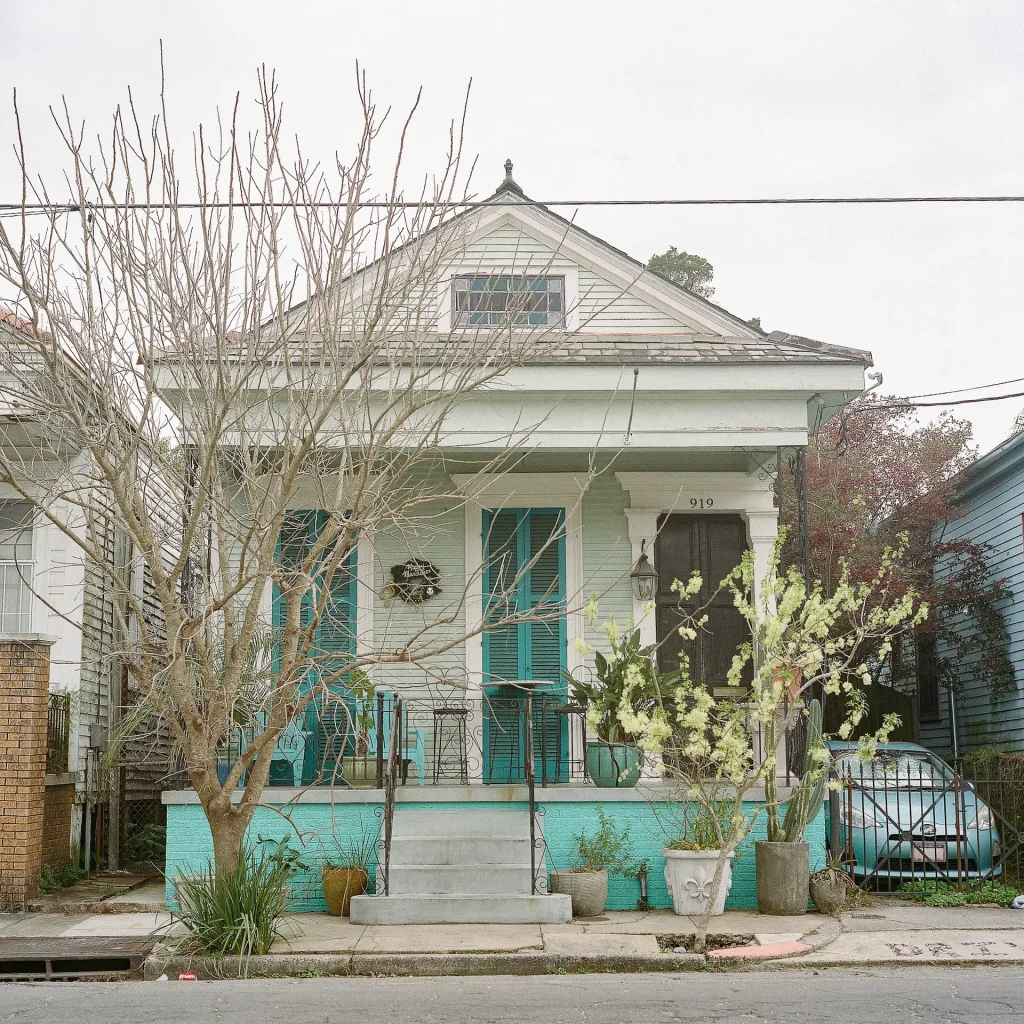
{"x":8,"y":209}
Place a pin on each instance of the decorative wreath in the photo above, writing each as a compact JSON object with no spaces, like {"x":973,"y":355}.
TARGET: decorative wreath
{"x":414,"y":581}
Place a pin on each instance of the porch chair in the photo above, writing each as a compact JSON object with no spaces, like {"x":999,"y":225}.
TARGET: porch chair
{"x":413,"y":744}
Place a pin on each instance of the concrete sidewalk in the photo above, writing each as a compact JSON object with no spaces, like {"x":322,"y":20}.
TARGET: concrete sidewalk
{"x":321,"y":945}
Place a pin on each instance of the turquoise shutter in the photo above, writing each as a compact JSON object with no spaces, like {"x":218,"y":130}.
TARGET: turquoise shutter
{"x":501,"y":647}
{"x":546,"y":583}
{"x":335,"y":635}
{"x":528,"y":544}
{"x":335,"y":640}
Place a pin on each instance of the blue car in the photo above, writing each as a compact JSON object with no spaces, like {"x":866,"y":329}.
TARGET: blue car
{"x":905,"y":815}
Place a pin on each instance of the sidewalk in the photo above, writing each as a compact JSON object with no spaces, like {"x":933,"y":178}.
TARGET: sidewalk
{"x":321,"y":945}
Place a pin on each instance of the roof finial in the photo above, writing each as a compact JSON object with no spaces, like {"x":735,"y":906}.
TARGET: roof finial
{"x":509,"y":185}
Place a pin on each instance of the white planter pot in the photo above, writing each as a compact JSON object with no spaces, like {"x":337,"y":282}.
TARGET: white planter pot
{"x":689,"y":875}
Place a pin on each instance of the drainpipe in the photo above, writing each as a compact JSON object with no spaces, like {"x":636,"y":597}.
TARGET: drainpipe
{"x":953,"y":732}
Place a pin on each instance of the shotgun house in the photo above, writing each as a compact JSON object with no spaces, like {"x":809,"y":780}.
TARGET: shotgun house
{"x":656,"y":422}
{"x":60,"y":603}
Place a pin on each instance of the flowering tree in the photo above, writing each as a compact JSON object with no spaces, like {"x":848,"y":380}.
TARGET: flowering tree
{"x":719,"y":752}
{"x":877,"y":474}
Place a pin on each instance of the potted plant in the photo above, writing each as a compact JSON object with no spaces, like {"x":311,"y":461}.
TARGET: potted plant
{"x":618,"y":699}
{"x":360,"y":770}
{"x":830,"y":887}
{"x":347,"y":875}
{"x":783,"y":859}
{"x":691,"y":857}
{"x":586,"y":882}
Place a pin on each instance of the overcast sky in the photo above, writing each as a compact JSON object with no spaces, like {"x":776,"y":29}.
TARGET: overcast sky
{"x":628,"y":100}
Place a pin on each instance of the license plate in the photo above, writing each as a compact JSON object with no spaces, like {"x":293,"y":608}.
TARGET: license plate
{"x":935,"y":854}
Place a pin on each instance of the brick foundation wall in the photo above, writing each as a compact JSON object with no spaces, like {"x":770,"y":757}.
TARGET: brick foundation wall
{"x":60,"y":800}
{"x":24,"y":687}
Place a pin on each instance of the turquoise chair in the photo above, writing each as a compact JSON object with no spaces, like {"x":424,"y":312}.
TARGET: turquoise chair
{"x":414,"y":744}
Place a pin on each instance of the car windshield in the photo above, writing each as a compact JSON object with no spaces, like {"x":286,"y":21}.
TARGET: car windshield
{"x":906,"y":769}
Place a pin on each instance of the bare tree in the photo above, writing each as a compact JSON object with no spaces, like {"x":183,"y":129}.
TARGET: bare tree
{"x":197,"y":345}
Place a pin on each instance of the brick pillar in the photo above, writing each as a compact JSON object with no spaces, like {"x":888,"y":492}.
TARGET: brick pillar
{"x":24,"y":687}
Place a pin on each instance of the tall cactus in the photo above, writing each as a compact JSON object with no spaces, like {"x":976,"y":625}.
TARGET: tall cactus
{"x":807,"y":798}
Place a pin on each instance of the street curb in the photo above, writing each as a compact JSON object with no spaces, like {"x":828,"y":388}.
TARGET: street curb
{"x":423,"y":965}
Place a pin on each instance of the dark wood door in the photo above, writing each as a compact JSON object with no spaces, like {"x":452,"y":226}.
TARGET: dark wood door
{"x":714,"y":546}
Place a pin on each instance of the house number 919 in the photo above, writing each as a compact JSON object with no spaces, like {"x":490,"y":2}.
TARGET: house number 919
{"x":702,"y":503}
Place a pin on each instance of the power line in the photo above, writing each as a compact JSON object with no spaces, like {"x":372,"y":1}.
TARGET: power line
{"x":977,"y":387}
{"x":909,"y":404}
{"x":40,"y":208}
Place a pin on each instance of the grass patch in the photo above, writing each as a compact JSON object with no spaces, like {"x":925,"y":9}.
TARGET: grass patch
{"x":944,"y":894}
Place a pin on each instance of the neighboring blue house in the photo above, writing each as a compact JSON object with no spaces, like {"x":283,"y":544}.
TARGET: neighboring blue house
{"x":992,"y":498}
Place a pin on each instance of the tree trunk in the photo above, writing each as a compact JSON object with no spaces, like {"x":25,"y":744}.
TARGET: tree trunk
{"x":228,"y":831}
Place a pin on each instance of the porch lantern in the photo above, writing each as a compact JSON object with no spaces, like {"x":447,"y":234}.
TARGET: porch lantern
{"x":643,"y":577}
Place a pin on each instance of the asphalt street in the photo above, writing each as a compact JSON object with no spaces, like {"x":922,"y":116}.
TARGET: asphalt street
{"x":838,"y":996}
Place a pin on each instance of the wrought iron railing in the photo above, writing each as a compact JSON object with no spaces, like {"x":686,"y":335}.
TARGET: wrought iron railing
{"x":916,"y":826}
{"x":495,"y":738}
{"x":58,"y":733}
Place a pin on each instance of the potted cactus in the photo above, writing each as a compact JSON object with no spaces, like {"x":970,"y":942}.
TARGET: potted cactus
{"x":783,"y":860}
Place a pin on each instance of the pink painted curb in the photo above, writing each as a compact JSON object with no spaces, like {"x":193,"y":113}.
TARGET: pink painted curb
{"x":773,"y":949}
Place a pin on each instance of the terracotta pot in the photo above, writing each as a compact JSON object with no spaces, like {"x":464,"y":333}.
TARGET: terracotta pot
{"x":340,"y":885}
{"x":689,"y":875}
{"x":587,"y":889}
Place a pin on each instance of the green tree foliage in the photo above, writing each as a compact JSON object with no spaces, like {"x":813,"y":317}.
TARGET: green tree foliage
{"x":693,"y":272}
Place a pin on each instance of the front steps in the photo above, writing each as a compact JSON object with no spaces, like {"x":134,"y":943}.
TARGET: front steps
{"x":466,"y":867}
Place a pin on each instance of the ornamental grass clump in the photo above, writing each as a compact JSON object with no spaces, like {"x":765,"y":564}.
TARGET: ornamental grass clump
{"x":239,"y":912}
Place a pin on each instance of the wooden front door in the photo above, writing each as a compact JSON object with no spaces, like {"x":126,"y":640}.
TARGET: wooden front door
{"x":713,"y":545}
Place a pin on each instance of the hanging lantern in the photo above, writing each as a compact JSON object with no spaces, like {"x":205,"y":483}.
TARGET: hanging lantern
{"x":643,"y":577}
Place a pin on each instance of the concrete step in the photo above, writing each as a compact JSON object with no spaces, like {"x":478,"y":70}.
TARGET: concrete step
{"x":414,"y":850}
{"x":481,"y":908}
{"x":446,"y":824}
{"x":460,"y":879}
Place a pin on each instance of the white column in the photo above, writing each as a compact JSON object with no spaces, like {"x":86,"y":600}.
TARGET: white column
{"x":763,"y":528}
{"x":643,"y":529}
{"x":474,"y":644}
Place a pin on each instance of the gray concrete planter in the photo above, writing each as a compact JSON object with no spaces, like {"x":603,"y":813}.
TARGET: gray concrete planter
{"x":783,"y":877}
{"x":587,"y":889}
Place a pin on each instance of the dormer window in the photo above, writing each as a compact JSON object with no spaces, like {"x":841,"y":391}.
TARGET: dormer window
{"x":499,"y":300}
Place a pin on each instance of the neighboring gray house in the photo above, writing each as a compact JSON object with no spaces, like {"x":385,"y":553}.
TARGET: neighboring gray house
{"x":51,"y":591}
{"x":992,"y":499}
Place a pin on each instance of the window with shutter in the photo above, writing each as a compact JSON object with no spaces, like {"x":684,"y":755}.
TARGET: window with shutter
{"x":524,"y":571}
{"x":334,"y":640}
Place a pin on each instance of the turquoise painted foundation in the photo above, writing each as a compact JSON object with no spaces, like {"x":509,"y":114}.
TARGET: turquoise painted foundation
{"x":320,"y":827}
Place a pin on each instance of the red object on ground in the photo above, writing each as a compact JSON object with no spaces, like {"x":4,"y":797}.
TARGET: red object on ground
{"x":186,"y":976}
{"x":773,"y":949}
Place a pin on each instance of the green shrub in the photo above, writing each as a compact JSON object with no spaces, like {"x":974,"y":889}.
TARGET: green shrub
{"x":146,"y":843}
{"x":606,"y":849}
{"x":698,"y":826}
{"x":54,"y":879}
{"x":239,"y":913}
{"x":945,"y":894}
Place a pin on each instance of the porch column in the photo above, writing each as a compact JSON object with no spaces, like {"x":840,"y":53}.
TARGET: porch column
{"x":643,"y":529}
{"x":763,"y":528}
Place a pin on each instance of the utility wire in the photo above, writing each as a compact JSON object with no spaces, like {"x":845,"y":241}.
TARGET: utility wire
{"x":910,"y":404}
{"x":958,"y":391}
{"x":38,"y":208}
